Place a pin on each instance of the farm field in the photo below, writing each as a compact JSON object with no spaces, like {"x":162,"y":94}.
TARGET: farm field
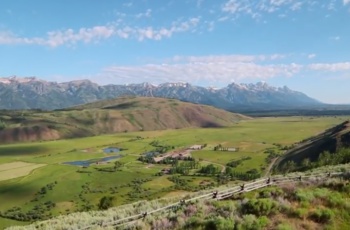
{"x":16,"y":169}
{"x":68,"y":188}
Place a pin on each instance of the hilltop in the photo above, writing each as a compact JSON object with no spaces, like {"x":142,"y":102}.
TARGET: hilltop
{"x":33,"y":93}
{"x":110,"y":116}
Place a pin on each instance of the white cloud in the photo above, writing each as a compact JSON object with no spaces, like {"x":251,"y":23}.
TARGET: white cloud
{"x":296,"y":6}
{"x":86,"y":35}
{"x":345,"y":2}
{"x":332,"y":67}
{"x":256,"y":9}
{"x":146,"y":14}
{"x":279,"y":2}
{"x":232,"y":6}
{"x":311,"y":56}
{"x":206,"y":68}
{"x":8,"y":38}
{"x":226,"y":58}
{"x":97,"y":33}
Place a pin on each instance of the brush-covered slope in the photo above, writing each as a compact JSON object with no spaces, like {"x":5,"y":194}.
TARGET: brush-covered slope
{"x":111,"y":116}
{"x":308,"y":151}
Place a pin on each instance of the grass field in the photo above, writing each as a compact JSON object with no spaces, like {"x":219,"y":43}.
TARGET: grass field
{"x":16,"y":169}
{"x":73,"y":188}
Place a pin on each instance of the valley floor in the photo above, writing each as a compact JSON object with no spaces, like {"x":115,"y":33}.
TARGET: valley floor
{"x":55,"y":188}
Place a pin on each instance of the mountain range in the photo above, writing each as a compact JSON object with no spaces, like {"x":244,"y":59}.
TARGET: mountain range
{"x":33,"y":93}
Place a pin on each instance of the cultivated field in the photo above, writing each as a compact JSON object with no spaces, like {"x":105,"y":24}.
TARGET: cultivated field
{"x":72,"y":188}
{"x":16,"y":169}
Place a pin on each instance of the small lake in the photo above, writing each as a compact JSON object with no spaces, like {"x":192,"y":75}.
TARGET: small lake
{"x":112,"y":150}
{"x":87,"y":163}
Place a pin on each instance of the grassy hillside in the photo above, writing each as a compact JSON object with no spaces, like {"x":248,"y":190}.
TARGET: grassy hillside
{"x":111,"y":116}
{"x":325,"y":147}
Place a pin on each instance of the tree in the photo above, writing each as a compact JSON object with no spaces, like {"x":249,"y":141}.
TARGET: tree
{"x":117,"y":165}
{"x":105,"y":202}
{"x":305,"y":163}
{"x":289,"y":166}
{"x":325,"y":158}
{"x":2,"y":125}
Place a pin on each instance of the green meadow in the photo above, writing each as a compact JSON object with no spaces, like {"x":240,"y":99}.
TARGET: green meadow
{"x":73,"y":188}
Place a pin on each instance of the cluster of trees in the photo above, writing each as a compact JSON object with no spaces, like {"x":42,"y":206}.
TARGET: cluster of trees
{"x":210,"y":170}
{"x":230,"y":174}
{"x":281,"y":147}
{"x":161,"y":148}
{"x":184,"y":167}
{"x":180,"y":183}
{"x":117,"y":165}
{"x":147,"y":159}
{"x":43,"y":191}
{"x":246,"y":176}
{"x":105,"y":202}
{"x":342,"y":156}
{"x":219,"y":147}
{"x":38,"y":212}
{"x":235,"y":163}
{"x":138,"y":192}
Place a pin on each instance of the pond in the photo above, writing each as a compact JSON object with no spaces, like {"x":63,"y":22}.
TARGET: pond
{"x":112,"y":150}
{"x":87,"y":163}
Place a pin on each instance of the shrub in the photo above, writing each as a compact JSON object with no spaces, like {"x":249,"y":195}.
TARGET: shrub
{"x":105,"y":202}
{"x":322,"y":215}
{"x":219,"y":223}
{"x":259,"y":207}
{"x":335,"y":200}
{"x":250,"y":222}
{"x":302,"y":195}
{"x":194,"y":223}
{"x":284,"y":226}
{"x":301,"y":213}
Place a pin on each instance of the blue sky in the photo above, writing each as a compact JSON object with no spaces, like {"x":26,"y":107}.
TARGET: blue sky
{"x":304,"y":44}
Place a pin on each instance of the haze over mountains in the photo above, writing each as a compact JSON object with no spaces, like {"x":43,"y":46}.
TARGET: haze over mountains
{"x":33,"y":93}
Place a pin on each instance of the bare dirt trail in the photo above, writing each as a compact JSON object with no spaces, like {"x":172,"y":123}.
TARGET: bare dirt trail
{"x":269,"y":168}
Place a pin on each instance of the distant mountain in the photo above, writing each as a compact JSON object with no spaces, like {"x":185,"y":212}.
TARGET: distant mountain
{"x":123,"y":114}
{"x":30,"y":93}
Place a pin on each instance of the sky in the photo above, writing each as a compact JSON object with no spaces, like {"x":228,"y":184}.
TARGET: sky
{"x":303,"y":44}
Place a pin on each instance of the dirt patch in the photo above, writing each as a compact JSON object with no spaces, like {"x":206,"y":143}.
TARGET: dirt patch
{"x":64,"y":205}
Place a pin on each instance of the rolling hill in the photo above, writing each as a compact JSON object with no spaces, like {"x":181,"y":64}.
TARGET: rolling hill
{"x":110,"y":116}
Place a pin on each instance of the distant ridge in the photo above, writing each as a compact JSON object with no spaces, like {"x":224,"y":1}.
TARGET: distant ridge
{"x":30,"y":93}
{"x":124,"y":114}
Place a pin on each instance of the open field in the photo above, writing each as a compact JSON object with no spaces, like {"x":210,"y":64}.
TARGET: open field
{"x":16,"y":169}
{"x":73,"y":188}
